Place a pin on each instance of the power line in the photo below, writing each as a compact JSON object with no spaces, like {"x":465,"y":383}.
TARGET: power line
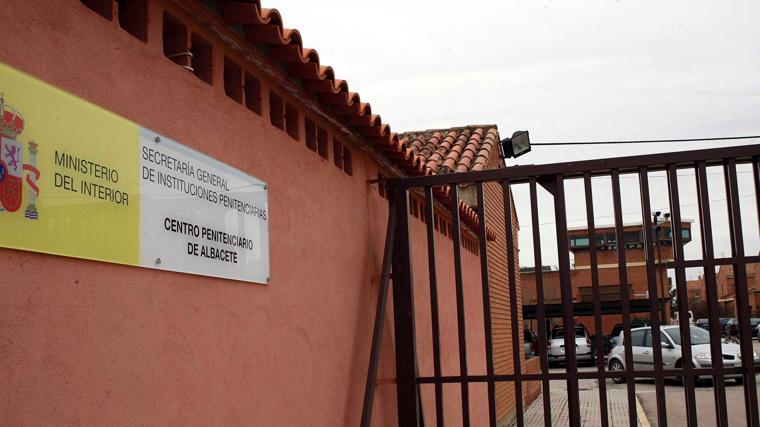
{"x":645,"y":141}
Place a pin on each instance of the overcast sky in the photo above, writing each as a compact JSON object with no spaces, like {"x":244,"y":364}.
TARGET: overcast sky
{"x":564,"y":70}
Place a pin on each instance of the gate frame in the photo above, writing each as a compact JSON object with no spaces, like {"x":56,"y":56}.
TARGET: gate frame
{"x":552,"y":177}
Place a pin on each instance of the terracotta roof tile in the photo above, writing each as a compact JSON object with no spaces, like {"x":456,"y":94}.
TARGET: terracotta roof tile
{"x":416,"y":153}
{"x":461,"y":149}
{"x":429,"y":152}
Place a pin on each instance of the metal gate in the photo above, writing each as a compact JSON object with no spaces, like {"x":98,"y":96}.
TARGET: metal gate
{"x":554,"y":178}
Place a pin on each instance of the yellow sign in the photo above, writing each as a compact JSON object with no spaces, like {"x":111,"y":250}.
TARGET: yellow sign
{"x":79,"y":181}
{"x":70,"y":183}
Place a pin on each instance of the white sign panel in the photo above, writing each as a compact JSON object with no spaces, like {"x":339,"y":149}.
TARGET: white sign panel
{"x":200,"y":216}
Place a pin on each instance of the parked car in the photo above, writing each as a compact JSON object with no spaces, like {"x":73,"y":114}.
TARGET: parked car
{"x":754,"y":323}
{"x":757,"y":331}
{"x":531,"y":343}
{"x":703,"y":323}
{"x":691,"y":318}
{"x":723,"y":322}
{"x":643,"y":357}
{"x":732,"y":328}
{"x":605,"y":341}
{"x":583,"y":350}
{"x":617,"y":329}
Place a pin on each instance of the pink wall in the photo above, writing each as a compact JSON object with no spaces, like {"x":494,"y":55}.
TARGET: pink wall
{"x":93,"y":343}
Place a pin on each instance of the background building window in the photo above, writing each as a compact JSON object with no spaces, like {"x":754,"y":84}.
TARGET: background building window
{"x":338,"y":153}
{"x":310,"y":131}
{"x":133,"y":18}
{"x":292,"y":122}
{"x":233,"y":80}
{"x":252,"y":89}
{"x":322,"y":142}
{"x":347,"y":162}
{"x":276,"y":111}
{"x":103,"y":8}
{"x":175,"y":41}
{"x":201,"y":60}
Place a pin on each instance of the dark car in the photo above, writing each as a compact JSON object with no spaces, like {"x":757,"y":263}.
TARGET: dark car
{"x":723,"y":322}
{"x":703,"y":323}
{"x":530,"y":340}
{"x":732,"y":328}
{"x":753,"y":322}
{"x":615,"y":334}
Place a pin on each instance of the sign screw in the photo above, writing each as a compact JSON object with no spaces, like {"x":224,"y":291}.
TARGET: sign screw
{"x":158,"y":261}
{"x":158,"y":139}
{"x":266,"y":187}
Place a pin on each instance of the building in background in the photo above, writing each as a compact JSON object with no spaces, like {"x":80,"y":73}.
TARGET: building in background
{"x":727,"y":290}
{"x":610,"y":288}
{"x":697,"y":297}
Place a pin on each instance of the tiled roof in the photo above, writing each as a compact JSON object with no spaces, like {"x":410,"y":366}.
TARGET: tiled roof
{"x":424,"y":153}
{"x":261,"y":26}
{"x":459,"y":149}
{"x":462,"y":149}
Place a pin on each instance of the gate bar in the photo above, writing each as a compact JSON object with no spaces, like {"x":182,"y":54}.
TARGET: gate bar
{"x":461,"y":329}
{"x":513,"y":312}
{"x":377,"y":332}
{"x":434,"y":320}
{"x":756,"y":175}
{"x":654,"y":306}
{"x":566,"y":293}
{"x":711,"y":289}
{"x":487,"y":305}
{"x":624,"y":295}
{"x":407,"y":402}
{"x":586,"y":375}
{"x":682,"y":295}
{"x":600,"y":362}
{"x":630,"y":164}
{"x":541,"y":312}
{"x":742,"y":295}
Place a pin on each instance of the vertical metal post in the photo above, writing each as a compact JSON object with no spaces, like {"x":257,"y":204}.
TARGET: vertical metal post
{"x":742,"y":296}
{"x":566,"y":291}
{"x":682,"y":295}
{"x":434,"y":321}
{"x":403,"y":314}
{"x":462,"y":330}
{"x":377,"y":333}
{"x":487,"y":307}
{"x":593,"y":259}
{"x":756,"y":176}
{"x":540,"y":310}
{"x":507,"y":195}
{"x":711,"y":291}
{"x":654,"y":301}
{"x":624,"y":295}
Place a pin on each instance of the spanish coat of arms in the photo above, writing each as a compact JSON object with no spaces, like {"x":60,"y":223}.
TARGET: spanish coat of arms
{"x":13,"y":171}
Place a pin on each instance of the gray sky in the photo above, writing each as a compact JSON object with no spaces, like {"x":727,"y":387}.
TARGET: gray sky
{"x":566,"y":71}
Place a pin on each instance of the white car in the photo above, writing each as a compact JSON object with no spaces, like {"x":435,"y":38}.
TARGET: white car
{"x":556,"y":347}
{"x":643,"y":352}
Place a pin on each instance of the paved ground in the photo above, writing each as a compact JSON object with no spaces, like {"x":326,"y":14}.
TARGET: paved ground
{"x":590,"y":413}
{"x":646,"y":395}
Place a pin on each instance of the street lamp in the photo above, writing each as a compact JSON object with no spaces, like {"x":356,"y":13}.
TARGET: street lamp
{"x":515,"y":146}
{"x":657,"y":226}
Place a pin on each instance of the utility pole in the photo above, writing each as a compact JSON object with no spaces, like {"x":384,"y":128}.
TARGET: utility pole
{"x":657,"y":222}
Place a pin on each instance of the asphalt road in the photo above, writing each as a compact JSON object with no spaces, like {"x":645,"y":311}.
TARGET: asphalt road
{"x":674,"y":397}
